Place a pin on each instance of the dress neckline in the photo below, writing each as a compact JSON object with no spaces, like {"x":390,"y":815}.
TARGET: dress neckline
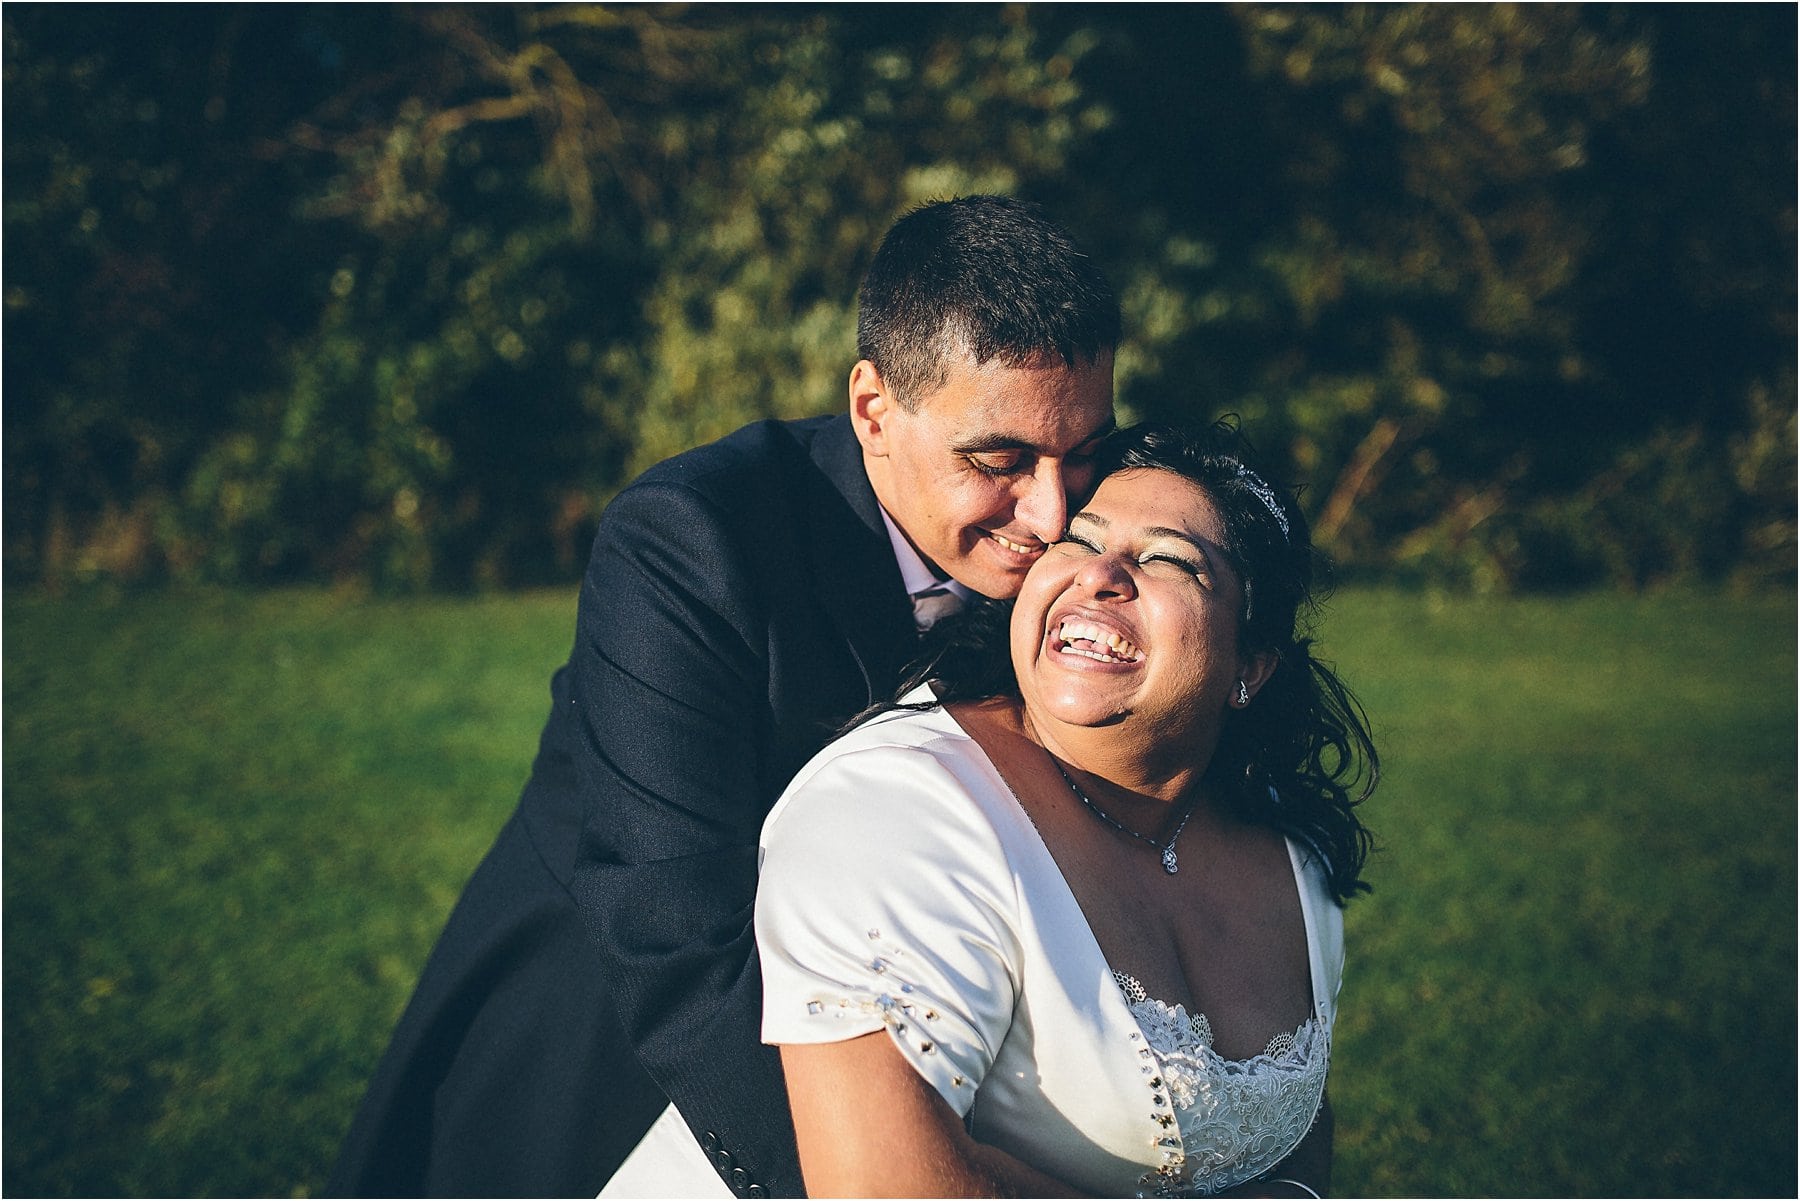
{"x":1200,"y":1026}
{"x":1122,"y":1008}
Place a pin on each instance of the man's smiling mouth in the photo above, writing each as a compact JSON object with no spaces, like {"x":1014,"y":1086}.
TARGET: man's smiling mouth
{"x":1015,"y":547}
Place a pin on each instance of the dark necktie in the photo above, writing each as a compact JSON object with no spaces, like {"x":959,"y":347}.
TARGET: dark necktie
{"x":933,"y":605}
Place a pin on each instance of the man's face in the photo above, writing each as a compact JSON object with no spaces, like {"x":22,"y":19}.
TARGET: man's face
{"x":979,"y":478}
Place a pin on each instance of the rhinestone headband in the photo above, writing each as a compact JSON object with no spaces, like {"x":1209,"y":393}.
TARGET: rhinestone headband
{"x":1265,"y":494}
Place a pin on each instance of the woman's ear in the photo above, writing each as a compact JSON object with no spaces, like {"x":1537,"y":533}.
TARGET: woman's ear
{"x":1254,"y":673}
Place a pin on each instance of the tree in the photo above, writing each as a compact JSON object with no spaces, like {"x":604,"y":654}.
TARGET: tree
{"x":404,"y":294}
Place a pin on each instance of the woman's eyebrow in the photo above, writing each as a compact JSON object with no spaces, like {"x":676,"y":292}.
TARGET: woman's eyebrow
{"x":1163,"y":531}
{"x":1154,"y":531}
{"x":1211,"y":554}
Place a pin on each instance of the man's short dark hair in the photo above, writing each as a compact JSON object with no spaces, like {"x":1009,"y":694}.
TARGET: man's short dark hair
{"x":988,"y":276}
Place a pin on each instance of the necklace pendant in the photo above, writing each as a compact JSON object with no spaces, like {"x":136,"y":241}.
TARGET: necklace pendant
{"x":1169,"y":859}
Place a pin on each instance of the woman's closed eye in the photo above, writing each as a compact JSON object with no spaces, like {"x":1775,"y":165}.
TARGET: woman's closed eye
{"x":1176,"y":563}
{"x":1070,"y":538}
{"x":1161,"y":561}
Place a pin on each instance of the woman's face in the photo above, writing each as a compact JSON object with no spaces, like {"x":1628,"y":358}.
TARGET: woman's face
{"x":1134,"y":614}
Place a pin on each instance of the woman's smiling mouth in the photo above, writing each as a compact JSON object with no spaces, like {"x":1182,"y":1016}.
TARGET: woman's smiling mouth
{"x":1074,"y":637}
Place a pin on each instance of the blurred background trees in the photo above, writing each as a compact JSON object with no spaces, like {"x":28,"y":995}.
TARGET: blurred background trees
{"x":403,"y":295}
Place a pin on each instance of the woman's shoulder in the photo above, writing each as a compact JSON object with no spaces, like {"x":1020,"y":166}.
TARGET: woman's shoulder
{"x":909,"y":773}
{"x":918,"y":722}
{"x":869,"y":831}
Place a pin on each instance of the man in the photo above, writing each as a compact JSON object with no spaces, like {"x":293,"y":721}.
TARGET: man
{"x":742,"y":599}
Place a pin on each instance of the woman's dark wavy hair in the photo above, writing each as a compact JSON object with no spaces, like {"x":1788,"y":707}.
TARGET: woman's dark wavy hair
{"x":1298,"y":760}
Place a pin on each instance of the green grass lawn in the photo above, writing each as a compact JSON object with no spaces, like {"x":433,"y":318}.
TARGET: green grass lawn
{"x":234,"y":824}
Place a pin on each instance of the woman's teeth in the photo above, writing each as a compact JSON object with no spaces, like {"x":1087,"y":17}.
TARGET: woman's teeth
{"x":1101,"y":645}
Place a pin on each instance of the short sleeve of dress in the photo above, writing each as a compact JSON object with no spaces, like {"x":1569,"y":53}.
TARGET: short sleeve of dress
{"x":885,"y":901}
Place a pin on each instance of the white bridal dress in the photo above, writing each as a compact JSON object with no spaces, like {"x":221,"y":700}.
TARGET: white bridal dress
{"x":904,"y":889}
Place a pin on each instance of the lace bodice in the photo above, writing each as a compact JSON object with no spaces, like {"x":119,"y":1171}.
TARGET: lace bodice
{"x":1237,"y":1117}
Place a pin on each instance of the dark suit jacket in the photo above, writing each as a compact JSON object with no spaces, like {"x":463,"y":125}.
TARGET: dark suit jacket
{"x":742,"y":600}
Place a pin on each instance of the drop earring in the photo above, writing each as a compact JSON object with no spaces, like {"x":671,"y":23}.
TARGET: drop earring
{"x":1243,"y":696}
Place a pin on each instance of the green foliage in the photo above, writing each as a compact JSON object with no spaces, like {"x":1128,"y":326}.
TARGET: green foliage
{"x":235,"y":824}
{"x":404,"y":295}
{"x":1439,"y":259}
{"x":844,"y":128}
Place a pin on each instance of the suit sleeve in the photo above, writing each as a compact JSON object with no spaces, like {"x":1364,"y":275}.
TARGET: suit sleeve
{"x":668,"y":680}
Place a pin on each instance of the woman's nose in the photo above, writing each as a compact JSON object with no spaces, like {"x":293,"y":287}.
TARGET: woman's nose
{"x":1108,"y":575}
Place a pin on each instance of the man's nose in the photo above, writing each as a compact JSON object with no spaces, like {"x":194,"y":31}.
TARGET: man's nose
{"x":1043,"y":507}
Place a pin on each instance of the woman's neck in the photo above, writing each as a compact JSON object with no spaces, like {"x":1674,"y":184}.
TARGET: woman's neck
{"x":1145,"y":770}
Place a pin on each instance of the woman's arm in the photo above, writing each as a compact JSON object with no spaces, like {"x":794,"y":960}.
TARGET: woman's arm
{"x":868,"y":1125}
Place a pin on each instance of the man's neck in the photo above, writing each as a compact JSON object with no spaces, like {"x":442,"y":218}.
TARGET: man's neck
{"x":917,"y":573}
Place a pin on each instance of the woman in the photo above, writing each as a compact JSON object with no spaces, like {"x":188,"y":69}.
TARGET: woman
{"x":1076,"y":928}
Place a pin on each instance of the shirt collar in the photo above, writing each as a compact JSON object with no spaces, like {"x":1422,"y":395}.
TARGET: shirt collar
{"x":915,"y":576}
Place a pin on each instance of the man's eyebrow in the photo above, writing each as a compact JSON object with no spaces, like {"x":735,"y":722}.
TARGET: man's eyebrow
{"x":988,"y":443}
{"x":1105,"y":430}
{"x":991,"y":443}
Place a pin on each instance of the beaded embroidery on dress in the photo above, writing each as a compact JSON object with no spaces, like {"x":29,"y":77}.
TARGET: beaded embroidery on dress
{"x":1237,"y":1117}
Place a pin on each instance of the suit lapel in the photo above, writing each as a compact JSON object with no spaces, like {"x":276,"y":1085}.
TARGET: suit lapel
{"x":853,"y":563}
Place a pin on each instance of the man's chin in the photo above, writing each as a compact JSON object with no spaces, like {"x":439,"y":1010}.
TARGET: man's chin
{"x":992,"y":580}
{"x":989,"y":567}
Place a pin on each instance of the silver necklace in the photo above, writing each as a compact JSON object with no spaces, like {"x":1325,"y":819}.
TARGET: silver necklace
{"x":1167,"y":849}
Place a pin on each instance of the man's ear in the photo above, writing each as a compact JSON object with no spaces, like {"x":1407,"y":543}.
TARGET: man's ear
{"x":872,"y":406}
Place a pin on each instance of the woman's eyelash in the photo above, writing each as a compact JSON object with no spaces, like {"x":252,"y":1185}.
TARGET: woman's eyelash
{"x":1199,"y":569}
{"x":1189,"y":566}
